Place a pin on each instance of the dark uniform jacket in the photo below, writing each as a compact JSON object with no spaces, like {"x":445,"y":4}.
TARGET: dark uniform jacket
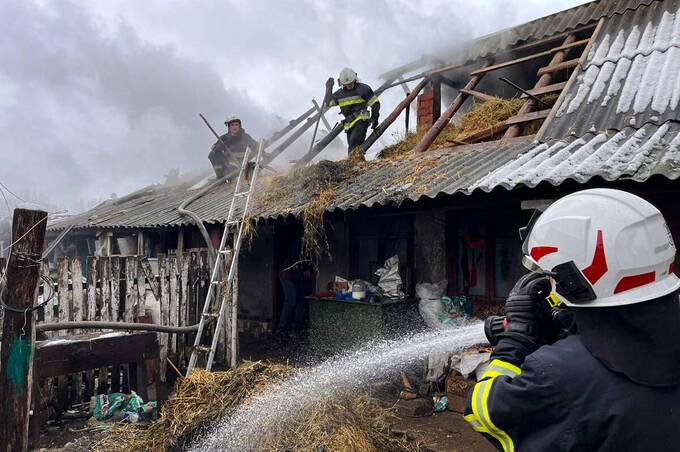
{"x":238,"y":143}
{"x":561,"y":398}
{"x":224,"y":162}
{"x":354,"y":104}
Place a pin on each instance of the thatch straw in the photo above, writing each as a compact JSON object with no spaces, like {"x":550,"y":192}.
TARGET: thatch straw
{"x":199,"y":401}
{"x":356,"y":424}
{"x":480,"y":117}
{"x":351,"y":424}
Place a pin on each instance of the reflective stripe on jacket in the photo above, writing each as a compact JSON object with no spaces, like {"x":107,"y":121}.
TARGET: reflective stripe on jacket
{"x":564,"y":399}
{"x":354,"y":104}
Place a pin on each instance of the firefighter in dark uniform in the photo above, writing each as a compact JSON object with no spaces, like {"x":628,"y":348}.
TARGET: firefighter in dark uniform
{"x":227,"y":162}
{"x":354,"y":99}
{"x":613,"y":384}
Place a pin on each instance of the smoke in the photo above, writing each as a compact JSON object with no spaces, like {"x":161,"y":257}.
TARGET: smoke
{"x":102,"y":97}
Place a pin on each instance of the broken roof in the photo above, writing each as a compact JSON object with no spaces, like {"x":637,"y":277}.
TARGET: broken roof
{"x":618,"y":119}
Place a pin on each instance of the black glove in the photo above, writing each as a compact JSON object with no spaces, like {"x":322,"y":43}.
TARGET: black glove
{"x":329,"y":83}
{"x":526,"y":310}
{"x":374,"y":124}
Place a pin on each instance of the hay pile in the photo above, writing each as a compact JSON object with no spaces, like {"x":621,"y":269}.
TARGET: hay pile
{"x":318,"y":184}
{"x":356,"y":424}
{"x":198,"y":402}
{"x":480,"y":117}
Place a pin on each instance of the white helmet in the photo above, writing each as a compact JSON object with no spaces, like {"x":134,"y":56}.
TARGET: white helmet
{"x":603,"y":247}
{"x":347,"y":76}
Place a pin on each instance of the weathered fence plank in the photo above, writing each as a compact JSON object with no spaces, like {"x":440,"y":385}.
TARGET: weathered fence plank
{"x":130,"y":289}
{"x":164,"y":307}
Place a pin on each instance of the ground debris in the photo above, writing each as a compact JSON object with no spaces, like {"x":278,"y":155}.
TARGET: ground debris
{"x":356,"y":423}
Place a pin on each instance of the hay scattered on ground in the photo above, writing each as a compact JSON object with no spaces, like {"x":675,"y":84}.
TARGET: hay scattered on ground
{"x":357,"y":424}
{"x":198,"y":402}
{"x":353,"y":424}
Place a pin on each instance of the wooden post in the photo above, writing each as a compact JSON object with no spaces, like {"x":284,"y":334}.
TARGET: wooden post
{"x":18,"y":339}
{"x":444,"y":119}
{"x":544,"y":80}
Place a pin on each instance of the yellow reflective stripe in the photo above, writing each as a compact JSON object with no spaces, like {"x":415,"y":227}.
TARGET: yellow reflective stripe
{"x":480,"y":408}
{"x":332,"y":103}
{"x":373,"y":100}
{"x":475,"y":424}
{"x":491,"y":374}
{"x":357,"y":118}
{"x":504,"y":368}
{"x":346,"y":102}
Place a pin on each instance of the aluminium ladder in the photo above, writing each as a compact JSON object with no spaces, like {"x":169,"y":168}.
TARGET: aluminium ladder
{"x":225,"y":254}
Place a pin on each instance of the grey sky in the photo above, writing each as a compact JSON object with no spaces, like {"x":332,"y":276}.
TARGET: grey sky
{"x":102,"y":97}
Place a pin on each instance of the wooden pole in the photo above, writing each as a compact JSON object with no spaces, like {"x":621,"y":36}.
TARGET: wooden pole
{"x":444,"y":119}
{"x":18,"y":339}
{"x":387,"y":122}
{"x":544,"y":80}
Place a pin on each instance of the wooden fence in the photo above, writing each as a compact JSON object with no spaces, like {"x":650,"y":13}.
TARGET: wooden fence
{"x":170,"y":290}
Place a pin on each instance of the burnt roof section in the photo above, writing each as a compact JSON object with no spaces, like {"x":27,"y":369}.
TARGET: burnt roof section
{"x":543,"y":27}
{"x":630,"y":77}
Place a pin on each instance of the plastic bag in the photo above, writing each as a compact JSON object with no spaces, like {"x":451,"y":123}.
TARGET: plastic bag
{"x":106,"y":405}
{"x":430,"y":304}
{"x":390,"y":282}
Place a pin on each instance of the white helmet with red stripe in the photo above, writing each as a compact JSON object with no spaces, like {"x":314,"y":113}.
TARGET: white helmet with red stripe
{"x":603,"y":247}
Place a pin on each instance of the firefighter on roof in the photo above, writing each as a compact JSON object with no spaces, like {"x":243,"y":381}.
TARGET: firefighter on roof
{"x":601,"y":372}
{"x":354,"y":99}
{"x":226,"y":161}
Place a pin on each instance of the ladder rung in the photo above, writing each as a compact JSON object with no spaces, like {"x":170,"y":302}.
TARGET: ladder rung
{"x":225,"y":251}
{"x":217,"y":282}
{"x":213,"y":315}
{"x":243,"y":193}
{"x":229,"y":223}
{"x":201,"y":348}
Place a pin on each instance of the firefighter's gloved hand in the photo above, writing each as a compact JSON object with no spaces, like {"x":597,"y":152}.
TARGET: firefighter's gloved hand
{"x":374,"y":124}
{"x":526,"y":310}
{"x":329,"y":83}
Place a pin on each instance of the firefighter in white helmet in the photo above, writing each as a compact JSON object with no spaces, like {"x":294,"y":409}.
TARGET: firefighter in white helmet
{"x":608,"y":377}
{"x":354,"y":99}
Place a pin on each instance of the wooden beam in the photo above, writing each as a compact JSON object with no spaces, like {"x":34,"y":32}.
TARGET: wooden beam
{"x":482,"y":97}
{"x":543,"y":80}
{"x":580,"y":43}
{"x":527,"y":117}
{"x":572,"y":79}
{"x":554,"y":88}
{"x":18,"y":339}
{"x":558,"y":67}
{"x":444,"y":119}
{"x":448,"y":82}
{"x":495,"y":67}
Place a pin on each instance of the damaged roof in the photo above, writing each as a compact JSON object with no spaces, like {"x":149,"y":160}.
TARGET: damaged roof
{"x":543,"y":27}
{"x":630,"y":77}
{"x":617,"y":120}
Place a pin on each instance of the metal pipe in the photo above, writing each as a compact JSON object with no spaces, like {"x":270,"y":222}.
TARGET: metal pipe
{"x":127,"y":326}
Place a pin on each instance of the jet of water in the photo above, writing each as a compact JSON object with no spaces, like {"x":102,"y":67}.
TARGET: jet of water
{"x":340,"y":375}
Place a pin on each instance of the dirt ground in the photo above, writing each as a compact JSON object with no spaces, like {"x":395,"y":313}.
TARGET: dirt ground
{"x":443,"y":432}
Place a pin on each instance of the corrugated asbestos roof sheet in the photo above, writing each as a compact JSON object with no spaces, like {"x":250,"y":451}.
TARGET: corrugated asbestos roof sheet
{"x":632,"y":72}
{"x":631,"y":76}
{"x":548,"y":26}
{"x":381,"y":183}
{"x":631,"y":154}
